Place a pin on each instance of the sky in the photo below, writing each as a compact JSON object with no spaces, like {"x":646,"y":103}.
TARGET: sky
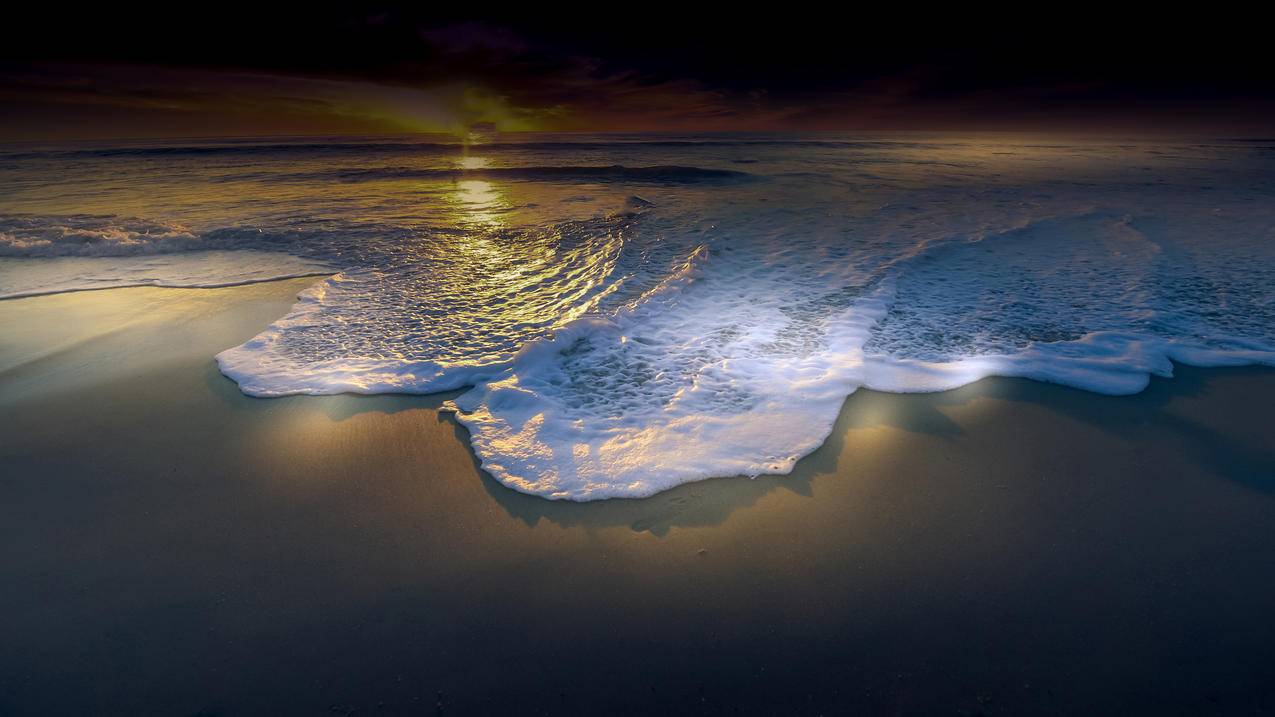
{"x":233,"y":70}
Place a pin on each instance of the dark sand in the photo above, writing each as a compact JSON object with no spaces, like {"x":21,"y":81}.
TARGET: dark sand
{"x":169,"y":546}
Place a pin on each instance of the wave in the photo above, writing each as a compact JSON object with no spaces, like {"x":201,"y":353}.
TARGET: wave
{"x":731,"y":366}
{"x":445,"y":319}
{"x":661,"y":174}
{"x":711,"y":333}
{"x":89,"y":235}
{"x":54,"y":254}
{"x":754,"y":405}
{"x":108,"y":235}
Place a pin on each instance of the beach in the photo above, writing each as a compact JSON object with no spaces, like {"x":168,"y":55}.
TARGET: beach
{"x":172,"y":546}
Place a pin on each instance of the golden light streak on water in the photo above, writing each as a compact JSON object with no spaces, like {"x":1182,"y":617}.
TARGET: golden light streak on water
{"x":479,"y":204}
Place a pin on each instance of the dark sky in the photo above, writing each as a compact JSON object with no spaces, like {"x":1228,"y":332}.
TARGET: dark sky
{"x":227,"y":70}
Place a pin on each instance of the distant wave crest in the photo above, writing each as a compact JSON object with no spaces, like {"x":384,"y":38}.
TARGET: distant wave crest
{"x":89,"y":235}
{"x":662,"y":174}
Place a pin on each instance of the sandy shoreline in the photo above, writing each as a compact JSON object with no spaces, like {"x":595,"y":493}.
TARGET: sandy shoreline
{"x":172,"y":546}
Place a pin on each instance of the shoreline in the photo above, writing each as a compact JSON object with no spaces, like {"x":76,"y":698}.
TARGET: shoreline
{"x":987,"y":386}
{"x":173,"y":545}
{"x":227,"y":285}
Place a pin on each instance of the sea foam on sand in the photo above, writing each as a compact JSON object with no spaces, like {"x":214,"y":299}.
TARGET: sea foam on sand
{"x":616,"y":349}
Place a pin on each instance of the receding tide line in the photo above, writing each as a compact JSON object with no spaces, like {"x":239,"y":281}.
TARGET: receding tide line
{"x":161,"y":284}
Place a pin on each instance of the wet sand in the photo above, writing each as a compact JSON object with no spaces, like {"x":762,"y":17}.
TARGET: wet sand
{"x":171,"y":546}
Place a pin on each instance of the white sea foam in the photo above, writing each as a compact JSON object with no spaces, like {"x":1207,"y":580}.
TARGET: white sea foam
{"x":89,"y":235}
{"x":718,"y":331}
{"x":678,"y":388}
{"x":713,"y":383}
{"x":438,"y":321}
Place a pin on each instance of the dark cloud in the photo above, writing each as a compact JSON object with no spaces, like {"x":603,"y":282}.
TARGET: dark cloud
{"x":395,"y":69}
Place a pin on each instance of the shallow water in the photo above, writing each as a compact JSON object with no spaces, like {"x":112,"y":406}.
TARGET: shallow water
{"x":635,"y":312}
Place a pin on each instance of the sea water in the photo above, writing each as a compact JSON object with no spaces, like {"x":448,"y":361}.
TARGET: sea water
{"x":631,"y":312}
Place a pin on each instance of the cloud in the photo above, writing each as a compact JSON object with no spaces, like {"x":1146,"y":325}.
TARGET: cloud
{"x":396,"y":72}
{"x":185,"y":98}
{"x":469,"y":37}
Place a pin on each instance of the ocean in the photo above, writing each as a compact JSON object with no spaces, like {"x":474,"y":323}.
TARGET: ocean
{"x":626,"y":313}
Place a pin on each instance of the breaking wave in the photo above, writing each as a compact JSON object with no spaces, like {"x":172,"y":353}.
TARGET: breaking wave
{"x":714,"y":326}
{"x":89,"y":235}
{"x":668,"y":174}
